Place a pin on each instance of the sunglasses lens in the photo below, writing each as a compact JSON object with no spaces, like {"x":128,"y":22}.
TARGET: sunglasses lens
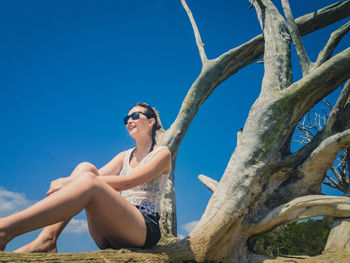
{"x":133,"y":116}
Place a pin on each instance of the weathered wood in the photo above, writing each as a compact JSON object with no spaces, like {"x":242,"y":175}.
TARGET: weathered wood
{"x":256,"y":176}
{"x":197,"y":35}
{"x":210,"y":183}
{"x":298,"y":43}
{"x":332,"y":43}
{"x":213,"y":73}
{"x":302,"y":208}
{"x":322,"y":157}
{"x":126,"y":255}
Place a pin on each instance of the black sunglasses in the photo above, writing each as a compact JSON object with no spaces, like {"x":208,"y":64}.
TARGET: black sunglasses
{"x":135,"y":115}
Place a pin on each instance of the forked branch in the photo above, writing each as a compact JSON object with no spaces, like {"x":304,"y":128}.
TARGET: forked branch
{"x":234,"y":60}
{"x":332,"y":43}
{"x":237,"y":58}
{"x":304,"y":60}
{"x":199,"y":42}
{"x":318,"y":83}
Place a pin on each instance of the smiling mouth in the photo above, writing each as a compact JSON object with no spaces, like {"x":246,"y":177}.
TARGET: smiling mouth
{"x":131,"y":128}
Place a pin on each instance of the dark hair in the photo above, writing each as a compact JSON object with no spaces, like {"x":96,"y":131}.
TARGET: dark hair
{"x":150,"y":113}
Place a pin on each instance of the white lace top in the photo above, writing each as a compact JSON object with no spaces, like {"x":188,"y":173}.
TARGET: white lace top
{"x":148,"y":195}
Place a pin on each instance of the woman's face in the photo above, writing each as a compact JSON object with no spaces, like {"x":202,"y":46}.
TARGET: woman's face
{"x":140,"y":126}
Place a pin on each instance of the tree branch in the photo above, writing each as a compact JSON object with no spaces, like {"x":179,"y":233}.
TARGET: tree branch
{"x":323,"y":17}
{"x":336,"y":186}
{"x":218,"y":70}
{"x":197,"y":94}
{"x":332,"y":43}
{"x":199,"y":42}
{"x":303,"y":130}
{"x":304,"y":60}
{"x":333,"y":183}
{"x":343,"y":170}
{"x":303,"y":208}
{"x":322,"y":157}
{"x":338,"y":120}
{"x":237,"y":58}
{"x":336,"y":173}
{"x":210,"y":183}
{"x":278,"y":76}
{"x":337,"y":113}
{"x":305,"y":93}
{"x":313,"y":160}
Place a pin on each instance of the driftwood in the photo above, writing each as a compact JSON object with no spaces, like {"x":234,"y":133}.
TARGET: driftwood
{"x":264,"y":184}
{"x":125,"y":255}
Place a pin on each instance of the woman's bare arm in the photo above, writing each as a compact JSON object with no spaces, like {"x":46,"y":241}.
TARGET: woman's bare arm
{"x":114,"y":166}
{"x":160,"y":163}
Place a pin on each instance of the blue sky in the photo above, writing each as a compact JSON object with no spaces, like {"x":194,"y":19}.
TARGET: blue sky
{"x":70,"y":70}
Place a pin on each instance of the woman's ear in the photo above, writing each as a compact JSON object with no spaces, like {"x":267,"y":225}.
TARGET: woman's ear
{"x":151,"y":121}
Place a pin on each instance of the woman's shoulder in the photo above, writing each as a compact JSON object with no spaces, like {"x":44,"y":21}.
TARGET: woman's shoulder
{"x":161,"y":148}
{"x":161,"y":152}
{"x":165,"y":154}
{"x":121,"y":156}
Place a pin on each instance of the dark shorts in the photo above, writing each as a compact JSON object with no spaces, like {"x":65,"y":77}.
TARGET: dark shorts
{"x":153,"y":230}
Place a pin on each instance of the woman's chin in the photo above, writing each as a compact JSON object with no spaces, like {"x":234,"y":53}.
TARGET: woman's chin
{"x":133,"y":133}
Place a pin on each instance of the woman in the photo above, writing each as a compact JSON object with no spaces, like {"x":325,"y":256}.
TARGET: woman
{"x":115,"y":220}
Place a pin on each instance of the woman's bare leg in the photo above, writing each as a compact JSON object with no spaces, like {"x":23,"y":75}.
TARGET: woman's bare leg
{"x":120,"y":225}
{"x":96,"y":233}
{"x":46,"y":241}
{"x":119,"y":221}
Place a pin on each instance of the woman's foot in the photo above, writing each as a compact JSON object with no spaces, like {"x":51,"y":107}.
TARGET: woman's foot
{"x":40,"y":244}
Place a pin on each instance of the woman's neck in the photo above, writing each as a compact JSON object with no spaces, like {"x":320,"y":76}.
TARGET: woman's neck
{"x":143,"y":146}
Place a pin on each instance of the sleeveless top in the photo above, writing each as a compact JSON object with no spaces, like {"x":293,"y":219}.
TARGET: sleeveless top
{"x":146,"y":196}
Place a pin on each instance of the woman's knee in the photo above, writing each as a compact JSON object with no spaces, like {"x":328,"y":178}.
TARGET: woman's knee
{"x":88,"y":181}
{"x":88,"y":177}
{"x":86,"y":167}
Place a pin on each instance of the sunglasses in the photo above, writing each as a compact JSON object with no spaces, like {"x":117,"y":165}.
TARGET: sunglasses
{"x":135,"y":116}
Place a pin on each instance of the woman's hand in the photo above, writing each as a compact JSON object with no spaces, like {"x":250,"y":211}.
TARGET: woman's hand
{"x":58,"y":184}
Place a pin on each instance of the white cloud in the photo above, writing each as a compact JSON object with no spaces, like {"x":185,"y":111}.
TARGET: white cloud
{"x":189,"y":226}
{"x":76,"y":226}
{"x":12,"y":202}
